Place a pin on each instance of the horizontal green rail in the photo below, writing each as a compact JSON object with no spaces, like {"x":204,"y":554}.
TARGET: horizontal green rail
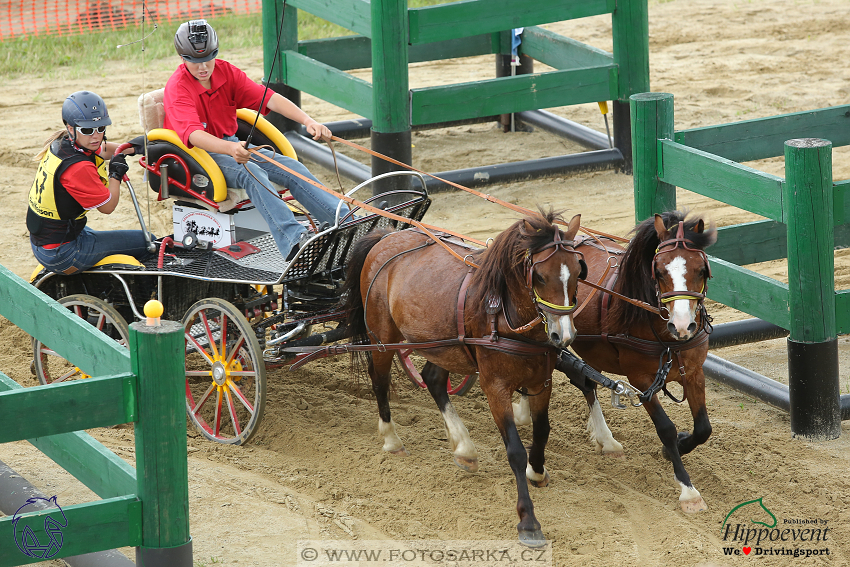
{"x":512,"y":94}
{"x":721,"y":179}
{"x":561,"y":52}
{"x":473,"y":17}
{"x":355,"y":52}
{"x":68,"y":335}
{"x":752,"y":242}
{"x":329,"y":84}
{"x":354,"y":15}
{"x":747,"y":291}
{"x":765,"y":137}
{"x":99,"y":469}
{"x":95,"y":526}
{"x":842,"y":312}
{"x":68,"y":406}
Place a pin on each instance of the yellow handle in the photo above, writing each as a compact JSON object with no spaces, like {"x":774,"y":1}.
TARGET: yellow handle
{"x":603,"y":106}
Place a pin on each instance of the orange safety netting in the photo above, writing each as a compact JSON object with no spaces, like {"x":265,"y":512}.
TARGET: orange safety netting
{"x":65,"y":17}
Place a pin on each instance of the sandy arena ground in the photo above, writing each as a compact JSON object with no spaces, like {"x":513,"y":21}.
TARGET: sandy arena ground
{"x":316,"y":470}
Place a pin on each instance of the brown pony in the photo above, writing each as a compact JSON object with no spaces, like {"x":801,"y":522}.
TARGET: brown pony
{"x":402,"y":286}
{"x":664,"y":265}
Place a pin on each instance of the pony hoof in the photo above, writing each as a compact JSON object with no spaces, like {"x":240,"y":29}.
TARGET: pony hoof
{"x":400,"y":452}
{"x":467,"y":464}
{"x":693,"y":506}
{"x":532,"y":538}
{"x":540,"y":483}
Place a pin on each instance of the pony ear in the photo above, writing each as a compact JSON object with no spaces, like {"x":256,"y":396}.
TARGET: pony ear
{"x":660,"y":229}
{"x":572,"y":228}
{"x":527,"y":228}
{"x":700,"y":227}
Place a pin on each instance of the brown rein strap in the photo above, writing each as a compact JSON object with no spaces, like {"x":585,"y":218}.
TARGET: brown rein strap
{"x":636,"y":302}
{"x":423,"y":227}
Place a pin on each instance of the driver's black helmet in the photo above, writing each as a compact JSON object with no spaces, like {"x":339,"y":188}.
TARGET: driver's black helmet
{"x":85,"y":109}
{"x":196,"y":41}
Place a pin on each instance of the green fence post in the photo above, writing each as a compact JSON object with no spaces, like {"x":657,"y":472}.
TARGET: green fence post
{"x":390,"y":92}
{"x":273,"y":11}
{"x":157,"y":356}
{"x":813,"y":345}
{"x":652,"y":119}
{"x":630,"y":27}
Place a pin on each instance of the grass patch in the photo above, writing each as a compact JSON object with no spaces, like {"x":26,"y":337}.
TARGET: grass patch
{"x":79,"y":55}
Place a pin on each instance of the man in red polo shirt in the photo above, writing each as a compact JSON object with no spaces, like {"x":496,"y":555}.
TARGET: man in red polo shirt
{"x":201,"y":99}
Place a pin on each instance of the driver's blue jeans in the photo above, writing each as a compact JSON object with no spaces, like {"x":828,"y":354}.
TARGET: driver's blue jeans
{"x":284,"y":228}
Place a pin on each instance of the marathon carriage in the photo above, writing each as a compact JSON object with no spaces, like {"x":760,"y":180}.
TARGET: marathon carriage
{"x":222,"y":275}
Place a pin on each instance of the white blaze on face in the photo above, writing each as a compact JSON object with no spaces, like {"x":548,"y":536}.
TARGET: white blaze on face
{"x":568,"y":330}
{"x":680,"y":315}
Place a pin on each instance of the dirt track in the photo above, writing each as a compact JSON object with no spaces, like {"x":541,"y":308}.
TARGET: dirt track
{"x":319,"y":472}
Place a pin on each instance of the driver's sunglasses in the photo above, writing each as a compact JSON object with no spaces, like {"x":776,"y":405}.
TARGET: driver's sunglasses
{"x":90,"y":131}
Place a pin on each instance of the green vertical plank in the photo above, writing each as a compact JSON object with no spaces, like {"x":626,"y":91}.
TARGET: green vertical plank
{"x":158,"y":359}
{"x":808,"y":200}
{"x":630,"y":26}
{"x":390,"y":86}
{"x":842,"y":312}
{"x":652,"y":119}
{"x":272,"y":13}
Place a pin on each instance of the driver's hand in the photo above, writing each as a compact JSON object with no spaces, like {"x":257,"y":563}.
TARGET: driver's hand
{"x":239,"y":153}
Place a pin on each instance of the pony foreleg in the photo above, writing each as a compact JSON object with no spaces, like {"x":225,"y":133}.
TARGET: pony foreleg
{"x":522,"y":413}
{"x":536,"y":472}
{"x":600,"y":435}
{"x":463,"y":449}
{"x":690,"y":499}
{"x":528,"y":528}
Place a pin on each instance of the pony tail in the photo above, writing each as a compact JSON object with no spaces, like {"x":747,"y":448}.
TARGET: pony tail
{"x":352,"y":302}
{"x":53,"y":137}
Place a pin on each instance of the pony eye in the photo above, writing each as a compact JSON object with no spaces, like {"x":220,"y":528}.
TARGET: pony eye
{"x":539,"y":279}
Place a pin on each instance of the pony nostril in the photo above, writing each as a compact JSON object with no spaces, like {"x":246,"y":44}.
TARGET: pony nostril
{"x":692,"y":327}
{"x":671,"y":328}
{"x":555,"y":338}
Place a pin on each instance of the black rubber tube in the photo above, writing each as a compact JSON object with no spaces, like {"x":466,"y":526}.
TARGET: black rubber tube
{"x":587,"y":137}
{"x":320,"y":154}
{"x":744,"y":332}
{"x":14,"y":493}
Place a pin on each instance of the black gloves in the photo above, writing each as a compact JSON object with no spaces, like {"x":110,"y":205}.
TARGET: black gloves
{"x":138,"y":144}
{"x":118,"y":167}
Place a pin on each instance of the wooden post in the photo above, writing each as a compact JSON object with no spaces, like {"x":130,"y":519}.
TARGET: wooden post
{"x":157,"y":355}
{"x":630,"y":27}
{"x":390,"y":92}
{"x":273,"y":11}
{"x":652,"y":119}
{"x":813,"y":383}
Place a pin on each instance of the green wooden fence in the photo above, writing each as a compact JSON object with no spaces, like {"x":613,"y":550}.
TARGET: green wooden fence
{"x":146,"y":507}
{"x":390,"y":36}
{"x":806,"y":213}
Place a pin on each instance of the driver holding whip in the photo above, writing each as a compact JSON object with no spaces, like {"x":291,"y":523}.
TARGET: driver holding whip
{"x":200,"y":101}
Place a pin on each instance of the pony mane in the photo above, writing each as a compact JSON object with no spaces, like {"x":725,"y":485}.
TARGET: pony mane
{"x":501,"y":264}
{"x":635,"y":279}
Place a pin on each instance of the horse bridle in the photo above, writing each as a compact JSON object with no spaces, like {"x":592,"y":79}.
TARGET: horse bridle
{"x":543,"y":307}
{"x":670,"y":246}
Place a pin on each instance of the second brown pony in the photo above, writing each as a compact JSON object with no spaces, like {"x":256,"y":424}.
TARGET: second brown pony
{"x":402,"y":286}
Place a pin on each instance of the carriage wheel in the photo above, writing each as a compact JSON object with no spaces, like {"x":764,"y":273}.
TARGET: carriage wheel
{"x":50,"y":367}
{"x":458,"y":384}
{"x":225,"y":373}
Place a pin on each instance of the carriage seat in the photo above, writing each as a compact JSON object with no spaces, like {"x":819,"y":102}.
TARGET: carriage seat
{"x":206,"y":186}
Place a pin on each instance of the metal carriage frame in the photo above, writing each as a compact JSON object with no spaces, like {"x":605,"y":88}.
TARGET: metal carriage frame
{"x":239,"y":304}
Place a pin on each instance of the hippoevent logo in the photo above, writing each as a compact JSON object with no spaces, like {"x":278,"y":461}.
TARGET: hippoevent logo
{"x":754,"y":531}
{"x":25,"y":536}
